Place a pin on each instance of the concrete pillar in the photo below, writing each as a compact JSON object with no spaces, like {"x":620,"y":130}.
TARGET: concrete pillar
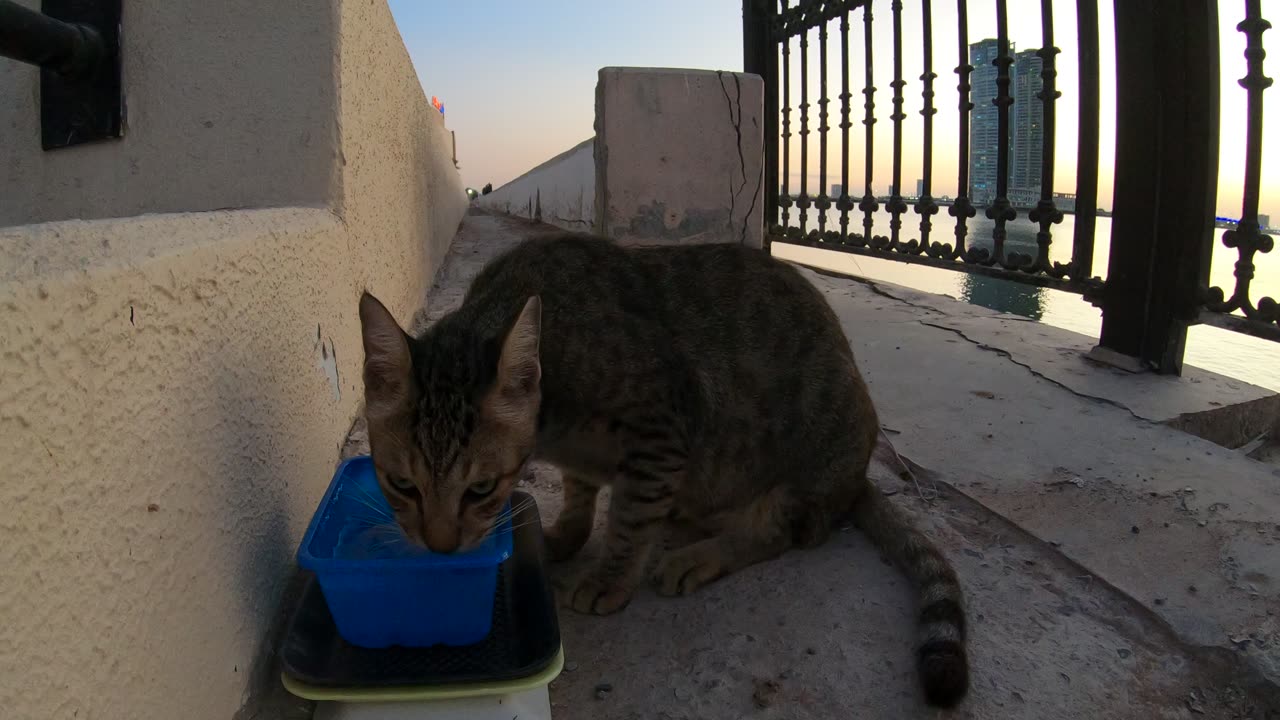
{"x":679,"y":156}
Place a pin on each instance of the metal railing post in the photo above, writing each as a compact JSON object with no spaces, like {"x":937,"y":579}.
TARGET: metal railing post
{"x":1166,"y":177}
{"x":76,"y":45}
{"x":760,"y":57}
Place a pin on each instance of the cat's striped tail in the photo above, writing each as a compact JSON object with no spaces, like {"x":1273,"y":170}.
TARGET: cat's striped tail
{"x":940,"y":655}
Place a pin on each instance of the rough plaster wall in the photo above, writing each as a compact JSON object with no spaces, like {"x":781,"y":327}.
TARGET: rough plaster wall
{"x":560,"y":191}
{"x":167,"y":425}
{"x":173,"y":392}
{"x":231,"y":104}
{"x":404,"y":198}
{"x":679,"y":156}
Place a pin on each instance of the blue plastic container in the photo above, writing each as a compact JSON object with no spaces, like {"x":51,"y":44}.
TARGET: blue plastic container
{"x":381,"y":589}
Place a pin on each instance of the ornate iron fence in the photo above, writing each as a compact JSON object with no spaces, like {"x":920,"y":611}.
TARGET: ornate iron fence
{"x":1167,"y":109}
{"x":1247,"y":237}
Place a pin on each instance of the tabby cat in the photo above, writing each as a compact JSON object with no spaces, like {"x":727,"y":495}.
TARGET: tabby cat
{"x":708,"y":385}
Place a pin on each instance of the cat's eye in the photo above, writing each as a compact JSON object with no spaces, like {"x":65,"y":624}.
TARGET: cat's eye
{"x":483,"y":487}
{"x":400,"y":483}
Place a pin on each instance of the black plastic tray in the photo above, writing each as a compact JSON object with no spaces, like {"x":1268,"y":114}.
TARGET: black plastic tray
{"x":524,"y":640}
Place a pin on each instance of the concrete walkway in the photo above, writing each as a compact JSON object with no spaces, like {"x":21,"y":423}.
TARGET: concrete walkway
{"x":1115,"y":567}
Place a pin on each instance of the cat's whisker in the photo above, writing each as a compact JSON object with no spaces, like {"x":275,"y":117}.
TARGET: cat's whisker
{"x":385,"y":528}
{"x":363,"y":494}
{"x":374,"y":513}
{"x":374,"y":518}
{"x":369,"y":520}
{"x":502,"y":517}
{"x":514,"y":527}
{"x":505,"y":516}
{"x":518,"y":508}
{"x":364,"y":502}
{"x":373,"y":496}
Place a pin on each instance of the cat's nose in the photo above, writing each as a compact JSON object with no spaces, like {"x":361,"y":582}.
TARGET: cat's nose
{"x":441,"y":536}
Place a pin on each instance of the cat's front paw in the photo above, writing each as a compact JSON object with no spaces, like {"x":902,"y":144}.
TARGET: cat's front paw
{"x":596,"y":596}
{"x":684,"y":570}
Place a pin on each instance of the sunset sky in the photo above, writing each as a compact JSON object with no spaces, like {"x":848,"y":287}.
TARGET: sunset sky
{"x":518,"y":78}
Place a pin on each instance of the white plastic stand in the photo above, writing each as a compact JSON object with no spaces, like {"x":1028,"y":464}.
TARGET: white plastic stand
{"x":531,"y":704}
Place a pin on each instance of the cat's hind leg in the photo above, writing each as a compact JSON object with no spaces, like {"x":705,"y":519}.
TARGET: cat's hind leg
{"x":762,"y":530}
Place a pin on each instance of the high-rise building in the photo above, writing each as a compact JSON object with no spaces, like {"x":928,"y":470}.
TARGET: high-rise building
{"x":837,"y":190}
{"x":919,"y":188}
{"x":1026,"y":139}
{"x":983,"y":124}
{"x":1026,"y":125}
{"x":1264,"y":221}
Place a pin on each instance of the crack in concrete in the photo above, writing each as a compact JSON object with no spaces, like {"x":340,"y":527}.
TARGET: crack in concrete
{"x":735,"y":122}
{"x":742,"y":160}
{"x":871,"y":284}
{"x":1009,"y":356}
{"x":733,"y":200}
{"x":755,"y":195}
{"x":875,"y":288}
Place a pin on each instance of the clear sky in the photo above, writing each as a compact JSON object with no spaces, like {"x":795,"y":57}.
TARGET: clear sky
{"x":518,"y":80}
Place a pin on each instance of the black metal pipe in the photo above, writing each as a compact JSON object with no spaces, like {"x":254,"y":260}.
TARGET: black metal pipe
{"x":72,"y":50}
{"x":1087,"y":148}
{"x":760,"y":56}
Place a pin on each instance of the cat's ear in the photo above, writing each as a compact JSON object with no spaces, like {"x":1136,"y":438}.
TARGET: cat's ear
{"x":519,"y":369}
{"x":388,"y":370}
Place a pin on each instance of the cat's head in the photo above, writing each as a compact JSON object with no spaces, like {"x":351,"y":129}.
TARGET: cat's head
{"x":452,"y":420}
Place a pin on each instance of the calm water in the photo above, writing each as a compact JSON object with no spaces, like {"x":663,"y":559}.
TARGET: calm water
{"x":1233,"y":354}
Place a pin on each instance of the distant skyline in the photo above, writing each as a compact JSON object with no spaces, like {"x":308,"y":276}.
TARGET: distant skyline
{"x":984,"y":144}
{"x":518,"y":81}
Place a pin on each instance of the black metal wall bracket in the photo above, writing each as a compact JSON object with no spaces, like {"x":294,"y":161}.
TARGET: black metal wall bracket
{"x":76,"y":44}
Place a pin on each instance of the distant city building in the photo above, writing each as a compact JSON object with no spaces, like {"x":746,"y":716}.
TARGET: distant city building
{"x":893,"y":190}
{"x":1264,"y":221}
{"x":1026,"y":139}
{"x":837,"y":190}
{"x":919,"y":188}
{"x":1066,"y":202}
{"x":1026,"y":126}
{"x":984,"y":138}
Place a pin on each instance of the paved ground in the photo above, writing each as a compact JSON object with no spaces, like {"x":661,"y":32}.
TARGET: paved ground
{"x":1115,"y":567}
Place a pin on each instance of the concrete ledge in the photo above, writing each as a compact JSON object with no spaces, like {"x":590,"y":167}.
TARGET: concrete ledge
{"x":1063,"y":357}
{"x":46,"y":251}
{"x":1235,"y":425}
{"x":560,"y":191}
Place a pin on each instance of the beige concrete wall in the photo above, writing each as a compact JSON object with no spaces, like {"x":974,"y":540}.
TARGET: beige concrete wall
{"x":174,"y":387}
{"x":398,"y":175}
{"x":679,"y":156}
{"x":560,"y":191}
{"x":231,"y":104}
